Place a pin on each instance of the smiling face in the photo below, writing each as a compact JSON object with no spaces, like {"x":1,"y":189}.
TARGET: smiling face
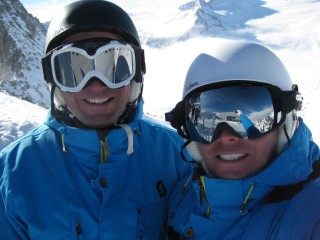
{"x":231,"y":157}
{"x":96,"y":105}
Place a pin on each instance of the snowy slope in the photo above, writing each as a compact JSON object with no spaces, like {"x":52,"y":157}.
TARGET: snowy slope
{"x":17,"y":118}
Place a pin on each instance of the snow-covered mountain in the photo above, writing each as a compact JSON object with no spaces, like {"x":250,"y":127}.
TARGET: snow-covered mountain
{"x":22,"y":39}
{"x":173,"y":33}
{"x":23,"y":36}
{"x":217,"y":18}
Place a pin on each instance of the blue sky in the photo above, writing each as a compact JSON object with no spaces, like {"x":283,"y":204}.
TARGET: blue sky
{"x":43,"y":10}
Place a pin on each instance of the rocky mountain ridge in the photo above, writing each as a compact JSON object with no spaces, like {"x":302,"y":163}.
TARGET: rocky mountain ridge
{"x":22,"y":39}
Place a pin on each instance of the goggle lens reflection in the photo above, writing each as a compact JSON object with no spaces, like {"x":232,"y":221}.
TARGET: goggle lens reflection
{"x":113,"y":63}
{"x":248,"y":110}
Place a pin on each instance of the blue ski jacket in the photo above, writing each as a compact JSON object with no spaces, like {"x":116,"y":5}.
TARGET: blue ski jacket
{"x":59,"y":182}
{"x":278,"y":203}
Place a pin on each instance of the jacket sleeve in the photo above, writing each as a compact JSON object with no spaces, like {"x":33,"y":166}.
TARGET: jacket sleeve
{"x":10,"y":228}
{"x":6,"y":229}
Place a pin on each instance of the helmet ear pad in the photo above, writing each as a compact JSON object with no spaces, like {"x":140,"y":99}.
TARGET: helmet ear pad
{"x":287,"y":129}
{"x":194,"y":152}
{"x":58,"y":100}
{"x":136,"y":90}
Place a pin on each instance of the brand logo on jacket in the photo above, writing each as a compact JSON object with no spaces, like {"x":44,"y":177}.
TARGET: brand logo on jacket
{"x":161,"y":188}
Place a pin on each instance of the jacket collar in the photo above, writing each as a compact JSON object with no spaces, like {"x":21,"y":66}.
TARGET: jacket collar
{"x":80,"y":140}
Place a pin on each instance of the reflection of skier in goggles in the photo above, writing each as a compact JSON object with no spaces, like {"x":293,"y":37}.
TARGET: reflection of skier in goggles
{"x":249,"y":127}
{"x":255,"y":162}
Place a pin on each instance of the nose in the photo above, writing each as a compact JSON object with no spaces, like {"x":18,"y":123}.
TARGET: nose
{"x":95,"y":83}
{"x":228,"y":136}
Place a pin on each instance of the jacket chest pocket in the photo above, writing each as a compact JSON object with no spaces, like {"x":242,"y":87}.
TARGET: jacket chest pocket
{"x":147,"y":223}
{"x":152,"y":222}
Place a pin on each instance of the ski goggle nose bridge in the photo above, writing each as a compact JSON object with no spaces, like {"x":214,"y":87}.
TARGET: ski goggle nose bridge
{"x":250,"y":111}
{"x":72,"y":67}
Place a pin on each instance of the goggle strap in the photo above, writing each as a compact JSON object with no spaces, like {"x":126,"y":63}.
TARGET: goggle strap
{"x":291,"y":100}
{"x":138,"y":77}
{"x":140,"y":64}
{"x":47,"y":71}
{"x":143,"y":63}
{"x":176,"y":117}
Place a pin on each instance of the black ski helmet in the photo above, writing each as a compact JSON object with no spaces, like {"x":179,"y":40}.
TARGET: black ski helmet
{"x":94,"y":16}
{"x":90,"y":15}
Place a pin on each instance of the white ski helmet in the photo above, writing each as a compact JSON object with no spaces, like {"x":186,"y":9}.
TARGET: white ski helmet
{"x":237,"y":62}
{"x":241,"y":61}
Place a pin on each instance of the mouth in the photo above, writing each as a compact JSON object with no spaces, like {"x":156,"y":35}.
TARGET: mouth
{"x":98,"y":100}
{"x":232,"y":157}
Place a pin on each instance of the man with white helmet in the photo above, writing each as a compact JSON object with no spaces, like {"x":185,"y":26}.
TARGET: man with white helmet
{"x":257,"y":168}
{"x":96,"y":169}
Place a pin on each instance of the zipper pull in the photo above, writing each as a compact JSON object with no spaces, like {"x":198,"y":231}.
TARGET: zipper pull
{"x":104,"y":151}
{"x":78,"y":228}
{"x":244,"y":204}
{"x":201,"y":190}
{"x":64,"y":148}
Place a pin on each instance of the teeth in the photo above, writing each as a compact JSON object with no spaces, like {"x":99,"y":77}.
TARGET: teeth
{"x":98,"y":101}
{"x":231,"y":157}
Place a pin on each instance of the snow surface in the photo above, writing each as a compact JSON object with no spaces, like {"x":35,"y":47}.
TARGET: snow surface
{"x":171,"y":41}
{"x":17,"y":118}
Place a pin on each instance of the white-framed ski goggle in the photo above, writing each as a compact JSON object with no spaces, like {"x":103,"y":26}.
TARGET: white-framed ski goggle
{"x":71,"y":66}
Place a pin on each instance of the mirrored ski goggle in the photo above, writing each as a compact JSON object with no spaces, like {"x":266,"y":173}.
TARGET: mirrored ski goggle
{"x":71,"y":66}
{"x":248,"y":111}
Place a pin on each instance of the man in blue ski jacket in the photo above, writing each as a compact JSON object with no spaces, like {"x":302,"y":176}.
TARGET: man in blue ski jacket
{"x":97,"y":168}
{"x":264,"y":185}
